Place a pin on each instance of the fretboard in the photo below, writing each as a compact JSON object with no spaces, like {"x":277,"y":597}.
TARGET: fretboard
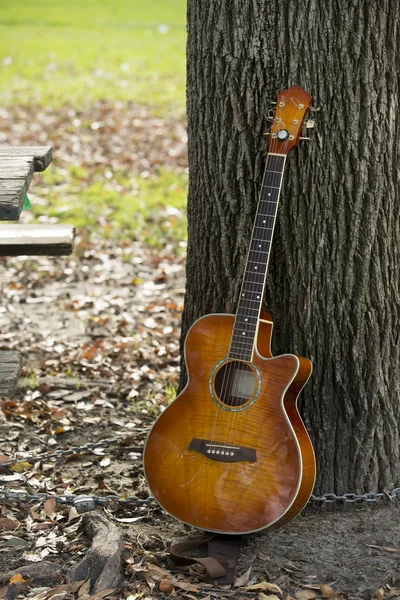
{"x":252,"y":292}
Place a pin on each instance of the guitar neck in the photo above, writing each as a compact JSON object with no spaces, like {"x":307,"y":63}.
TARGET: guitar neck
{"x":253,"y":285}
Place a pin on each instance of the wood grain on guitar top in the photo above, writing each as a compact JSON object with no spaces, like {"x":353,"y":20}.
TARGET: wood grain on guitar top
{"x":232,"y":497}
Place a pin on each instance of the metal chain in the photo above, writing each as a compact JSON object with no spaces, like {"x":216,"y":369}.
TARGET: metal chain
{"x":82,"y":503}
{"x":74,"y":450}
{"x":85,"y":503}
{"x":351,"y":497}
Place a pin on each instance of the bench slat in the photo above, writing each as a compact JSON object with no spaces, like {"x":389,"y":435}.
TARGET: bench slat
{"x":10,"y":370}
{"x":35,"y":240}
{"x":42,"y":155}
{"x":12,"y":194}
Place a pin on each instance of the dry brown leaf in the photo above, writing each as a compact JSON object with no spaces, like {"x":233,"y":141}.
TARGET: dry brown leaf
{"x":166,"y":585}
{"x":326,"y":591}
{"x":185,"y":585}
{"x":84,"y":589}
{"x":17,"y":579}
{"x":243,"y":579}
{"x":3,"y":591}
{"x":102,"y":594}
{"x":262,"y":596}
{"x":8,"y":524}
{"x":265,"y":585}
{"x":49,"y":506}
{"x":379,"y":594}
{"x":305,"y":595}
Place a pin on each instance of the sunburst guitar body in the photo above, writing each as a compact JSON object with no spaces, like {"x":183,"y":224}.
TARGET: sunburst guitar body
{"x":231,"y":454}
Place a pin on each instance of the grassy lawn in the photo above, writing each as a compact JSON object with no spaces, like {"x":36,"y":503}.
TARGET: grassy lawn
{"x":56,"y":56}
{"x":55,"y":52}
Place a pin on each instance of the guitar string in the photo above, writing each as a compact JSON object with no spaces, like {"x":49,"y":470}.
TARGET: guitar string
{"x":233,"y":378}
{"x":274,"y":147}
{"x":251,"y":280}
{"x":239,"y":354}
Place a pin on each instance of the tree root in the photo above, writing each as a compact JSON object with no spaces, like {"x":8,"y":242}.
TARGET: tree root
{"x":102,"y":563}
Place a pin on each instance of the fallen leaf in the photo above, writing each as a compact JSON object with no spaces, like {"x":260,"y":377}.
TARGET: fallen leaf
{"x":188,"y":587}
{"x":19,"y":467}
{"x":8,"y":524}
{"x":166,"y":585}
{"x":84,"y":589}
{"x":102,"y":594}
{"x":326,"y":591}
{"x":17,"y":579}
{"x":262,"y":596}
{"x":264,"y":585}
{"x":243,"y":579}
{"x":16,"y":541}
{"x":49,"y":506}
{"x":379,"y":594}
{"x":305,"y":595}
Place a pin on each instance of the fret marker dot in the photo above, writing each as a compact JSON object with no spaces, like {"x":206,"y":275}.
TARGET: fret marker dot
{"x":264,"y":221}
{"x":258,"y":297}
{"x":259,"y":245}
{"x":243,"y":333}
{"x":242,"y":294}
{"x":269,"y":194}
{"x":255,"y":267}
{"x":246,"y":319}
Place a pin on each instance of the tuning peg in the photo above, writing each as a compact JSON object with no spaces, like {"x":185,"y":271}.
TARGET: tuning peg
{"x":310,"y":124}
{"x":267,"y":133}
{"x":305,"y":138}
{"x":315,"y":108}
{"x":270,"y":119}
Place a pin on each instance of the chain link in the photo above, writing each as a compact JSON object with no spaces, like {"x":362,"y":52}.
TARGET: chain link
{"x":82,"y":503}
{"x":351,"y":497}
{"x":85,"y":503}
{"x":109,"y":444}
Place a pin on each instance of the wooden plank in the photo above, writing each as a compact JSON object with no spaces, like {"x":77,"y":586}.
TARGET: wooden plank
{"x":35,"y":240}
{"x":12,"y":194}
{"x":10,"y":370}
{"x":42,"y":155}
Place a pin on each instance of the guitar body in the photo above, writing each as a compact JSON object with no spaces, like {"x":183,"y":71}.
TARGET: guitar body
{"x":262,"y":470}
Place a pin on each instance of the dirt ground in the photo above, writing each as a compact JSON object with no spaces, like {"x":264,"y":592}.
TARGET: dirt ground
{"x":100,"y":337}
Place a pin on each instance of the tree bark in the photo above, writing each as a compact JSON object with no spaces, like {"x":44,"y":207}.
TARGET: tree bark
{"x":333,"y":281}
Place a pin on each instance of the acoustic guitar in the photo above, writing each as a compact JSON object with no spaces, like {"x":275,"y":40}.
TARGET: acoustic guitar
{"x":231,"y":454}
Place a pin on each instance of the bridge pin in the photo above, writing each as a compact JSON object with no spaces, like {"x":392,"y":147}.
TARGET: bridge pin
{"x":231,"y":453}
{"x":217,"y":451}
{"x":212,"y":451}
{"x":208,"y":451}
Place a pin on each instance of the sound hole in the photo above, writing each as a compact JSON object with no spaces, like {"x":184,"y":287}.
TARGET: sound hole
{"x":235,"y":383}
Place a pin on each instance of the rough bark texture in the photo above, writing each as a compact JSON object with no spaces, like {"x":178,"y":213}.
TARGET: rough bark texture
{"x":333,"y":280}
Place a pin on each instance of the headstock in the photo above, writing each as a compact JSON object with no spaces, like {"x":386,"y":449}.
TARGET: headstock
{"x":292,"y":107}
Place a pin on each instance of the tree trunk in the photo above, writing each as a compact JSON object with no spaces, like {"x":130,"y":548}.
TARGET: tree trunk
{"x":333,"y":281}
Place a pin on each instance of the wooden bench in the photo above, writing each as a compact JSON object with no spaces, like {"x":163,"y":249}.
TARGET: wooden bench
{"x":10,"y":370}
{"x":17,"y":166}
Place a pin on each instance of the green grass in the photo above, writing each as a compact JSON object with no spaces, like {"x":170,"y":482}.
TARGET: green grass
{"x":153,"y":212}
{"x":55,"y":53}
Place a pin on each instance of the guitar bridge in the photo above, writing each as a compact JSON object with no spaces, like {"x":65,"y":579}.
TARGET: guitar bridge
{"x":223,"y":452}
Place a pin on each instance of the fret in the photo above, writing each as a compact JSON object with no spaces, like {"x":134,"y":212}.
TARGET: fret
{"x":251,"y":295}
{"x":260,"y":240}
{"x":257,"y":310}
{"x":240,"y":347}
